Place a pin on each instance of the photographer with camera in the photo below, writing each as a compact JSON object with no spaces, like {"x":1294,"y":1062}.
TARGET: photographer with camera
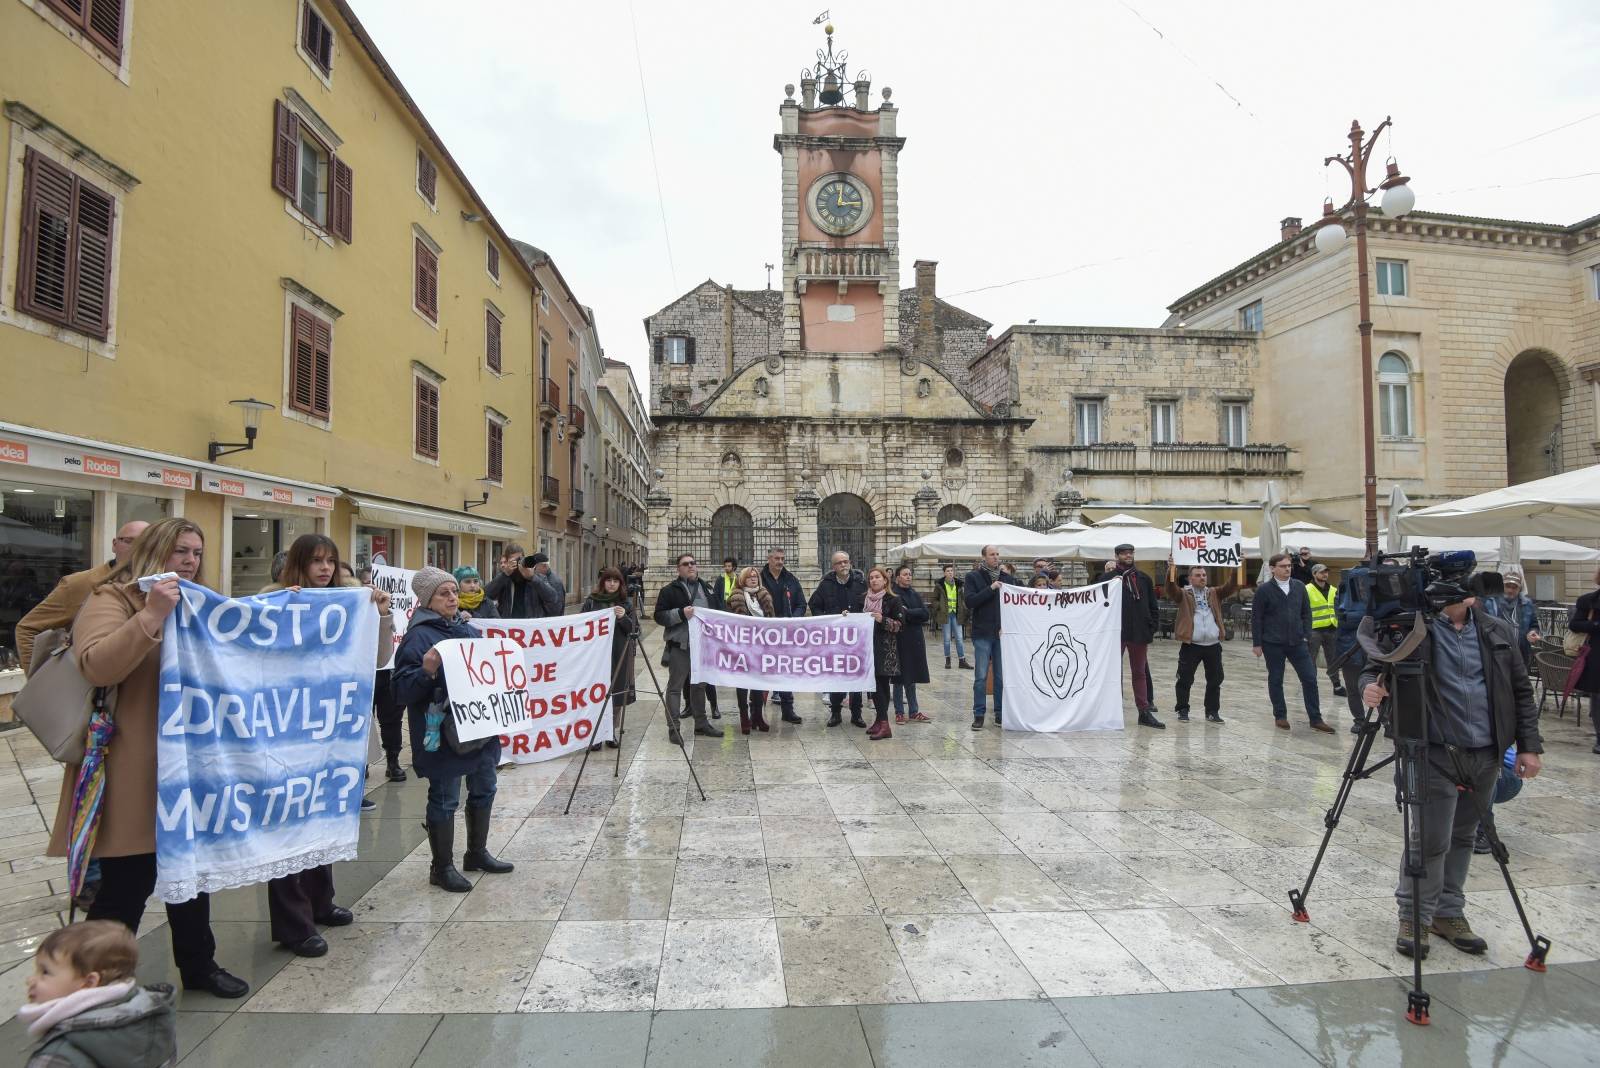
{"x":1476,"y":701}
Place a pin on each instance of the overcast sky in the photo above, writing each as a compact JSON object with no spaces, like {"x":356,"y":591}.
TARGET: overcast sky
{"x":1072,"y":162}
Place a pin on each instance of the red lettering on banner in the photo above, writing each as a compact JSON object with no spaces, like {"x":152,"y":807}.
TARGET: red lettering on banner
{"x":541,"y":742}
{"x":1192,"y":541}
{"x":232,"y":487}
{"x":519,"y":743}
{"x":177,"y":479}
{"x":14,"y":452}
{"x":100,"y":465}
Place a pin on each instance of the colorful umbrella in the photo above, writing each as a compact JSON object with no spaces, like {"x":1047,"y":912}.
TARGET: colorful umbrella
{"x":87,"y":797}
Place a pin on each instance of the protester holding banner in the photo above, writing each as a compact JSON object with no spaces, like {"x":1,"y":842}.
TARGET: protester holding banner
{"x":675,"y":605}
{"x":982,"y":589}
{"x":788,"y":601}
{"x":419,"y":684}
{"x":750,"y":598}
{"x":840,"y":591}
{"x":1198,"y":629}
{"x":913,"y":649}
{"x":1140,"y":617}
{"x":474,"y":601}
{"x":117,"y":636}
{"x":888,"y":621}
{"x":609,"y":593}
{"x":300,"y":902}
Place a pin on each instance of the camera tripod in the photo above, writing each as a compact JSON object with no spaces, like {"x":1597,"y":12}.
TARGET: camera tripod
{"x":1404,"y":678}
{"x":674,"y":734}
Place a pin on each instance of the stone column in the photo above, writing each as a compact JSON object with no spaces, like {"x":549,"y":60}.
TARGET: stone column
{"x":661,"y":570}
{"x":1069,"y":506}
{"x":804,"y":566}
{"x":926,"y":506}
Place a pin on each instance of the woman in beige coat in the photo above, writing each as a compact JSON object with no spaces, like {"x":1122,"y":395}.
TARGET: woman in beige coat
{"x":117,"y":636}
{"x":750,"y":598}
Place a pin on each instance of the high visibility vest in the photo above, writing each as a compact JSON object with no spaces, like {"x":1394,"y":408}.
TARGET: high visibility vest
{"x":728,"y":586}
{"x":950,"y":594}
{"x":1322,"y":613}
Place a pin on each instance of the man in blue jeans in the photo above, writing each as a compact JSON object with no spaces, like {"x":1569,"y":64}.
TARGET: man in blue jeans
{"x":981,"y":588}
{"x":1280,"y":628}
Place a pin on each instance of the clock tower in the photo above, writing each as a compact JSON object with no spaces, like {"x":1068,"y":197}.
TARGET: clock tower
{"x":841,"y":227}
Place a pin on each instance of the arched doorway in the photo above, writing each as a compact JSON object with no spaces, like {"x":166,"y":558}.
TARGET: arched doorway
{"x":845,"y":521}
{"x":732,"y":534}
{"x":959,"y":512}
{"x":1533,"y":418}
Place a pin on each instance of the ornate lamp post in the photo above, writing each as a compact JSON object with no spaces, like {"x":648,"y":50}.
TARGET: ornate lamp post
{"x":1398,"y":199}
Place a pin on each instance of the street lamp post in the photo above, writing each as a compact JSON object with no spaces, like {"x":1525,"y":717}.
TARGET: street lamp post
{"x":1398,"y":199}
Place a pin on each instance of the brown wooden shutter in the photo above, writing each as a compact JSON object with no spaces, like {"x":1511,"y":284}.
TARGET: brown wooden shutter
{"x":427,"y":177}
{"x":302,"y":361}
{"x":316,"y":37}
{"x":492,"y":328}
{"x":660,"y":345}
{"x":427,"y":419}
{"x":494,"y":261}
{"x":44,"y":278}
{"x":427,"y":294}
{"x":285,"y":149}
{"x":343,"y":197}
{"x":103,"y":23}
{"x":322,"y":392}
{"x":496,"y":452}
{"x":688,"y":350}
{"x":91,"y":291}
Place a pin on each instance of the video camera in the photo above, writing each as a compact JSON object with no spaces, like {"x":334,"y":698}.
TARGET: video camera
{"x":635,"y":581}
{"x":1397,"y":585}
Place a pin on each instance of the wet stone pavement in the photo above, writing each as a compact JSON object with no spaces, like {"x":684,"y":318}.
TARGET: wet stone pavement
{"x":945,"y":897}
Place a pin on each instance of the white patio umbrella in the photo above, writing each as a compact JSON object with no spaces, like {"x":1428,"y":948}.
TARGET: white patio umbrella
{"x":1271,"y":503}
{"x":1561,"y":506}
{"x":910,"y":548}
{"x":1325,"y":544}
{"x":967,"y":540}
{"x":1398,"y":503}
{"x":1493,"y":550}
{"x":1100,"y":541}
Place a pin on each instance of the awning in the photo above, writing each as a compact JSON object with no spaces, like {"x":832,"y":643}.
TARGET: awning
{"x":47,"y":451}
{"x":407,"y":514}
{"x":257,"y":489}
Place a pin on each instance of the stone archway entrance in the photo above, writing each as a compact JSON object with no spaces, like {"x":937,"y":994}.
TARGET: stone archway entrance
{"x":959,"y":512}
{"x":1533,"y":394}
{"x":732,"y":534}
{"x":845,"y":521}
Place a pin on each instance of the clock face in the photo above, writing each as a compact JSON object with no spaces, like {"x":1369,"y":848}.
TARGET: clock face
{"x":840,"y":205}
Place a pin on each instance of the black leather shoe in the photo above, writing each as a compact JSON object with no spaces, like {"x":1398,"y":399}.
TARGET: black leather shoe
{"x":1338,"y":691}
{"x":834,"y":719}
{"x":338,"y":916}
{"x":478,"y":857}
{"x":856,"y":720}
{"x":790,"y":717}
{"x":1148,"y":719}
{"x":315,"y":946}
{"x":368,"y":804}
{"x":674,"y":736}
{"x":706,"y":730}
{"x":393,"y":771}
{"x":1212,"y":717}
{"x":221,"y":983}
{"x":613,"y":744}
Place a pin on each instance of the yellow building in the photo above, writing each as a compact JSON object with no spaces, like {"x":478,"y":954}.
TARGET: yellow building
{"x":207,"y":203}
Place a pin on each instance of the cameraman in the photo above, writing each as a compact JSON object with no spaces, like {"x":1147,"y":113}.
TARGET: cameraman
{"x":1478,"y":702}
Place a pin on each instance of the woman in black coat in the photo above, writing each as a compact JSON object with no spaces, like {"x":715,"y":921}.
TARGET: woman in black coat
{"x":913,"y":648}
{"x":609,"y":594}
{"x":888,"y":620}
{"x":1586,"y":620}
{"x":419,"y":684}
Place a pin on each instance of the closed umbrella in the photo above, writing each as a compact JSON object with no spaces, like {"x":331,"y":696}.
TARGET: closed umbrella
{"x":1398,"y":502}
{"x":1271,"y":503}
{"x":87,"y":796}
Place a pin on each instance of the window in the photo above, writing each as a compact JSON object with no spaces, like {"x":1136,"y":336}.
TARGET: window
{"x":1250,"y":316}
{"x":1086,"y":414}
{"x":491,"y":326}
{"x":1163,"y":422}
{"x":67,"y":230}
{"x":426,"y":297}
{"x":310,"y":363}
{"x":1394,"y":396}
{"x":427,"y":179}
{"x":1236,"y":424}
{"x":99,"y":20}
{"x":495,"y":465}
{"x":426,"y":435}
{"x":675,"y":350}
{"x":1594,"y":282}
{"x":491,"y":262}
{"x":544,"y":450}
{"x":316,"y":38}
{"x":572,"y":386}
{"x":544,"y":302}
{"x":1391,"y":278}
{"x":319,"y":184}
{"x":544,"y":356}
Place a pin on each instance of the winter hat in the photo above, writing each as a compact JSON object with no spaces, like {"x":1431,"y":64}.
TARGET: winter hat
{"x":1513,"y":574}
{"x":462,"y":574}
{"x":426,"y":582}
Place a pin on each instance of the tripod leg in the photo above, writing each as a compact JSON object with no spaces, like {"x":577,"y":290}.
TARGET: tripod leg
{"x":576,"y":779}
{"x":584,"y":763}
{"x":1417,"y":1000}
{"x":1355,"y":769}
{"x":616,"y":734}
{"x":673,"y":732}
{"x":1538,"y":944}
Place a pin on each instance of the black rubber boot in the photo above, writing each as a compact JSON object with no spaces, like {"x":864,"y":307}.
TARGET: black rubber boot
{"x":442,"y":872}
{"x":477,"y":856}
{"x":394,"y":772}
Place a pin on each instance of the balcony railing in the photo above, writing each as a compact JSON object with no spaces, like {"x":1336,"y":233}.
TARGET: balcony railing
{"x":577,"y":502}
{"x":550,"y":490}
{"x":842,"y":262}
{"x":1194,"y":458}
{"x":575,"y":419}
{"x":549,"y":397}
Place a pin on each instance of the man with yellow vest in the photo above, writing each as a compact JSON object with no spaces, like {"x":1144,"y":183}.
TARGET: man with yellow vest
{"x":1324,"y":624}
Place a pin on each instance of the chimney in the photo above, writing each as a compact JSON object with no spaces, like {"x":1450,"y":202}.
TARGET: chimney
{"x":926,"y":342}
{"x":1289,"y":227}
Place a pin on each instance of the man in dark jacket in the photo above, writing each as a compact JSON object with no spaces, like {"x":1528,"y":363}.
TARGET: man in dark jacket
{"x":788,"y":600}
{"x":982,"y":590}
{"x":1479,"y":701}
{"x":552,"y":592}
{"x":1280,"y":629}
{"x":1301,"y":566}
{"x":842,"y":591}
{"x":1140,"y":617}
{"x":717,"y":590}
{"x":675,"y":606}
{"x":1350,"y":607}
{"x":512,"y":590}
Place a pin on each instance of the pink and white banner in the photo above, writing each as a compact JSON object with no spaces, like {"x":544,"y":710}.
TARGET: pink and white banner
{"x":808,"y":654}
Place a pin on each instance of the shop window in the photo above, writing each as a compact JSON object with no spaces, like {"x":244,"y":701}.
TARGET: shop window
{"x":441,"y":552}
{"x":45,"y":535}
{"x":258,"y":538}
{"x":134,"y":507}
{"x":376,"y":545}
